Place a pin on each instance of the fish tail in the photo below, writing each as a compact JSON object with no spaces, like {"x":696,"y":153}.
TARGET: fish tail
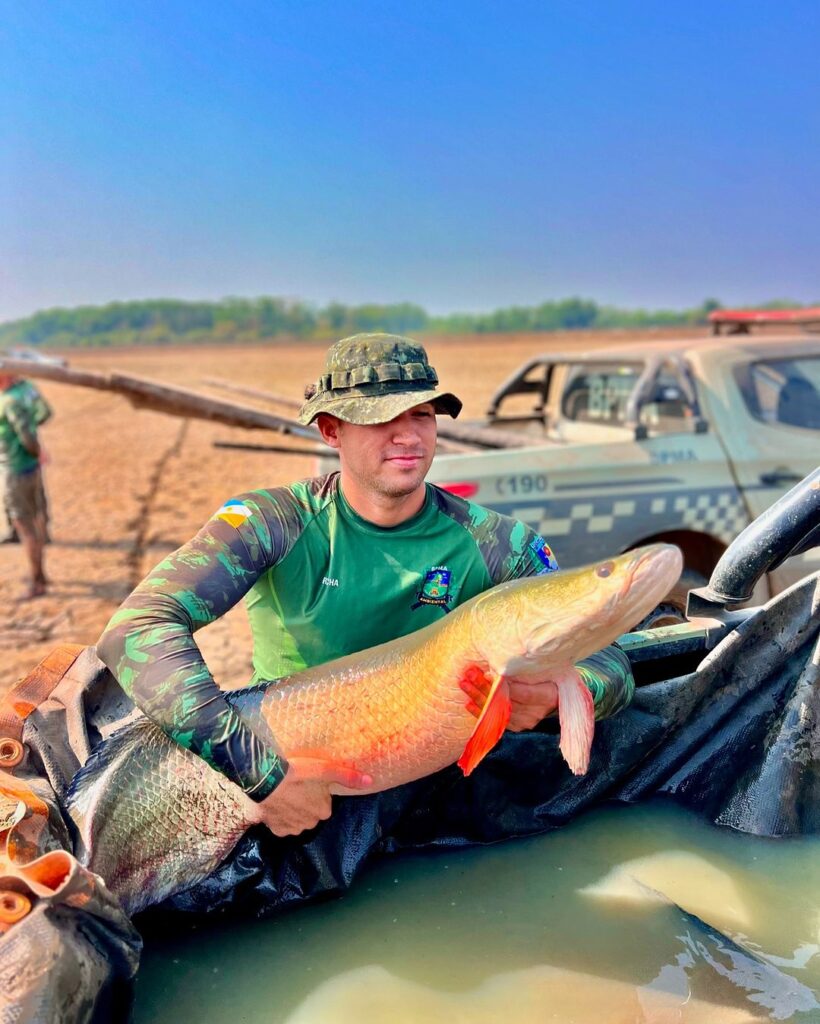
{"x":489,"y":728}
{"x":576,"y":713}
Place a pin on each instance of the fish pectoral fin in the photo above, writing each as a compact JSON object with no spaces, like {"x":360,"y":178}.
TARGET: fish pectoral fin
{"x":576,"y":715}
{"x":490,"y":726}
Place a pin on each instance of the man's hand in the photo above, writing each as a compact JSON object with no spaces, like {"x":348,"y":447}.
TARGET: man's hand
{"x":531,"y":702}
{"x":302,"y":798}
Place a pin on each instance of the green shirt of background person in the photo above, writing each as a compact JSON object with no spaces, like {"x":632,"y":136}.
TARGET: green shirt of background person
{"x":39,"y":412}
{"x":20,"y":453}
{"x":19,"y":448}
{"x":292,"y":551}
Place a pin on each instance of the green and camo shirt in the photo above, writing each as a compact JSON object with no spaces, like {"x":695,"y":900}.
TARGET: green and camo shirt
{"x":38,"y":408}
{"x":18,"y":432}
{"x":319,"y":582}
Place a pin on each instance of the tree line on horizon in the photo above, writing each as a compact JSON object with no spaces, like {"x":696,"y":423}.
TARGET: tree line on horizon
{"x":173,"y":321}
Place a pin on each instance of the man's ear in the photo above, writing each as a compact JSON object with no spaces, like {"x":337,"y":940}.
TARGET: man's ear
{"x":329,"y":427}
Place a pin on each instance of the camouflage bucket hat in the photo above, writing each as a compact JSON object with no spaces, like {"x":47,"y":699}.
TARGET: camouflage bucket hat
{"x":372,"y":378}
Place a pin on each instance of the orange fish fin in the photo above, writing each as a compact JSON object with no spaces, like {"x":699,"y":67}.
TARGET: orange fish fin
{"x":489,"y":728}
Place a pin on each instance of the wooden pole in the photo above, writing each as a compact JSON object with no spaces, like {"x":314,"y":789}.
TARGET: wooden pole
{"x":167,"y":398}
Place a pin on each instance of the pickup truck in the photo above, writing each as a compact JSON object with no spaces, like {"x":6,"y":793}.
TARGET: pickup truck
{"x":684,"y":441}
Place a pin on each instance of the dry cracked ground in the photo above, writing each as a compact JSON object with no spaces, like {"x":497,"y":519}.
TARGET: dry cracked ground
{"x":128,"y":486}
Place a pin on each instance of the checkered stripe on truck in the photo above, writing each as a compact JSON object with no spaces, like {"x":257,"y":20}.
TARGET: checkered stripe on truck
{"x":599,"y":523}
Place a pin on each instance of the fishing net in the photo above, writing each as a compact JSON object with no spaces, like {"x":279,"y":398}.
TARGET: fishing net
{"x":737,"y":740}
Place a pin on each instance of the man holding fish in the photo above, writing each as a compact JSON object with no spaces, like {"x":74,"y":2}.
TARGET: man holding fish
{"x":330,"y":566}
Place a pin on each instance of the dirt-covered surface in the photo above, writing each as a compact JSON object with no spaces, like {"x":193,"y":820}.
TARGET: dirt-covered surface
{"x":127,"y":486}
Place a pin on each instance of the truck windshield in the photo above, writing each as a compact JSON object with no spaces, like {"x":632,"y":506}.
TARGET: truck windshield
{"x":783,"y":391}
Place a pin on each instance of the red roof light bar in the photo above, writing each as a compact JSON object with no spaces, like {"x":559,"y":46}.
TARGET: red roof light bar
{"x":463,"y":489}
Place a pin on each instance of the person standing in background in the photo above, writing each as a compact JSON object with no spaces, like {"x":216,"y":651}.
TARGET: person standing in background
{"x":40,"y":412}
{"x":22,"y":409}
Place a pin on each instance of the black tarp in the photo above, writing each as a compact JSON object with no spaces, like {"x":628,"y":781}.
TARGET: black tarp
{"x":737,"y":740}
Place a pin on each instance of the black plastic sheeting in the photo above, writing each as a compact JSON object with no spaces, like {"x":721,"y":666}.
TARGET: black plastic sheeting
{"x":738,"y":740}
{"x":70,"y":961}
{"x":73,"y":958}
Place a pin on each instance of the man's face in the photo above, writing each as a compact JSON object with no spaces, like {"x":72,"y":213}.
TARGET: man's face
{"x":391,"y":459}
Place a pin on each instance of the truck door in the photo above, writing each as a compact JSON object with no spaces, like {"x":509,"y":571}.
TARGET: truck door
{"x":775,"y":440}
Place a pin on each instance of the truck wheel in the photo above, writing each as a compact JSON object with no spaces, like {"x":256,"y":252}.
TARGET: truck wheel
{"x":672,"y":610}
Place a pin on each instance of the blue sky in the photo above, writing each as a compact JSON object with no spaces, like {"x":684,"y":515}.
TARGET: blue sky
{"x":462,"y":155}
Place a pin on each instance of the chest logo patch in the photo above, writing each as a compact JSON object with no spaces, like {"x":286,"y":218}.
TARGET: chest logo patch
{"x":435,"y":590}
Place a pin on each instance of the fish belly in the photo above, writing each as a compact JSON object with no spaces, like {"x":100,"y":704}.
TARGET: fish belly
{"x":396,"y":725}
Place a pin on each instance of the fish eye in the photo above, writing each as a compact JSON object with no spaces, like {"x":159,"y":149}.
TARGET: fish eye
{"x":605,"y":569}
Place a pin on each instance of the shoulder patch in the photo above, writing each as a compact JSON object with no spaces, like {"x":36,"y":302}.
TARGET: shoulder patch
{"x":234,"y":512}
{"x":542,"y":556}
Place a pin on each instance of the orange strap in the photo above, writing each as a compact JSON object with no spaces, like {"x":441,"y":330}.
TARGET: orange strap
{"x":21,"y":831}
{"x":35,"y":688}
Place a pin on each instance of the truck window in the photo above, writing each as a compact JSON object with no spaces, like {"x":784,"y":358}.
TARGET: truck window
{"x":598,"y":393}
{"x":782,"y":391}
{"x":667,"y":410}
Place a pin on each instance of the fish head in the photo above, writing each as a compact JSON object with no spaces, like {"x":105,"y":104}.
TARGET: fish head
{"x":526,"y":627}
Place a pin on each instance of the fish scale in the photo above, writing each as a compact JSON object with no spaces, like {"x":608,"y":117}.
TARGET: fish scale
{"x":388,"y":713}
{"x":153,"y":818}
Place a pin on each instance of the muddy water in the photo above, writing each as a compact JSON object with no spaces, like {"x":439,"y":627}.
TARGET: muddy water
{"x":628,"y":915}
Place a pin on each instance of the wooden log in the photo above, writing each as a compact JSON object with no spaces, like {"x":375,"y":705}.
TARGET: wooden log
{"x":280,"y":449}
{"x":149,"y":394}
{"x":479,"y":436}
{"x":243,"y":389}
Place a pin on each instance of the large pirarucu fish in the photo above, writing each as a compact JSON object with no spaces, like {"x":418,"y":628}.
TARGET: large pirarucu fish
{"x":154,"y":818}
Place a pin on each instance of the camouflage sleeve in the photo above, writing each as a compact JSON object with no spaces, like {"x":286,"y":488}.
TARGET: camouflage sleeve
{"x":607,"y":674}
{"x":149,"y":645}
{"x":21,"y":424}
{"x":40,"y":409}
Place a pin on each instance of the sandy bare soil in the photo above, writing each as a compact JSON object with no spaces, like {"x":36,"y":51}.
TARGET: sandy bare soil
{"x":128,"y":486}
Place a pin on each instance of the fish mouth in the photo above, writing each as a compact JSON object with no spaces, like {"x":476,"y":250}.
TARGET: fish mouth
{"x":650,"y":576}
